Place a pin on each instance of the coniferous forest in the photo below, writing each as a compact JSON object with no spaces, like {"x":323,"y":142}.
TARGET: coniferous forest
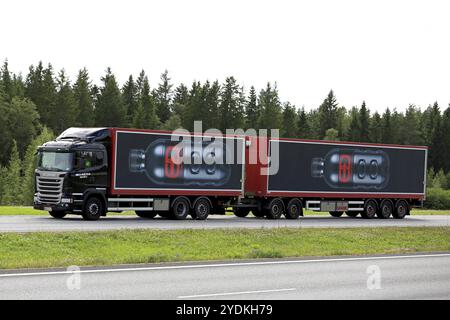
{"x":39,"y":105}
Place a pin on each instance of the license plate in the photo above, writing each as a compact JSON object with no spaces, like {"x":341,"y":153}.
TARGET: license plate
{"x":48,"y":208}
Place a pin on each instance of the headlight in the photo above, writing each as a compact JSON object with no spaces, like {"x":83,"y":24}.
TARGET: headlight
{"x":66,"y":200}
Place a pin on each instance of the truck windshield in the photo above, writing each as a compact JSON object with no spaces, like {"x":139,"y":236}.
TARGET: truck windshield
{"x":55,"y":161}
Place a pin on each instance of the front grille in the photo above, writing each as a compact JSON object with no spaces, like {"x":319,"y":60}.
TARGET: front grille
{"x":49,"y":190}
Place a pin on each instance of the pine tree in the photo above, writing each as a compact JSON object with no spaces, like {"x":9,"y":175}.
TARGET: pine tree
{"x":66,"y":111}
{"x":195,"y":106}
{"x":271,"y":111}
{"x":163,"y":97}
{"x":410,"y":131}
{"x":151,"y":119}
{"x":130,"y":98}
{"x":212,"y":98}
{"x":109,"y":110}
{"x":252,"y":111}
{"x":84,"y":100}
{"x":12,"y":179}
{"x":180,"y":100}
{"x":29,"y":165}
{"x":328,"y":113}
{"x":364,"y":118}
{"x":290,"y":121}
{"x":429,"y":120}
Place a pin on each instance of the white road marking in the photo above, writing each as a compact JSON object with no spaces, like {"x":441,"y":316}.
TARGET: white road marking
{"x":233,"y":293}
{"x":218,"y":265}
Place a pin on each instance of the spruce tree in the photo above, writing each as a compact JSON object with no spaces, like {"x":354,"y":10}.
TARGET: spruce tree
{"x":376,"y":128}
{"x":252,"y":111}
{"x":364,"y":118}
{"x":387,"y":135}
{"x":232,"y":105}
{"x":180,"y":100}
{"x":212,"y":100}
{"x":7,"y":82}
{"x":66,"y":111}
{"x":5,"y":129}
{"x":163,"y":97}
{"x":84,"y":100}
{"x":109,"y":110}
{"x":354,"y":130}
{"x":328,"y":113}
{"x":303,"y":127}
{"x":271,"y":111}
{"x":290,"y":122}
{"x":130,"y":98}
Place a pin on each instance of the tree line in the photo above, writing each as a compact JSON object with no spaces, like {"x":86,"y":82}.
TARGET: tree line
{"x":41,"y":104}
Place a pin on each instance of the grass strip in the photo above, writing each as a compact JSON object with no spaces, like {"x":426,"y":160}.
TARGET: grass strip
{"x":49,"y":249}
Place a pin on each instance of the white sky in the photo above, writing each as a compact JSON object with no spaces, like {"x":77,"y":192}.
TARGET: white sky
{"x":390,"y":53}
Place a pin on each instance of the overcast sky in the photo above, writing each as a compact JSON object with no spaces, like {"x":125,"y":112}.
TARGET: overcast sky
{"x":389,"y":53}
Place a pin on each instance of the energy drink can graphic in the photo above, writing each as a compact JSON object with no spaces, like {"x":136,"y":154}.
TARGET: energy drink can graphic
{"x":167,"y":162}
{"x":354,"y":169}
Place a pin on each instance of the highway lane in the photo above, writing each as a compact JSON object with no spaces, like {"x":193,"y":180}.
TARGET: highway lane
{"x":424,"y":276}
{"x":76,"y":223}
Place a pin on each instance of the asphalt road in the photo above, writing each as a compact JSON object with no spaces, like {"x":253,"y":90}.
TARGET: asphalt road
{"x":385,"y":277}
{"x":76,"y":223}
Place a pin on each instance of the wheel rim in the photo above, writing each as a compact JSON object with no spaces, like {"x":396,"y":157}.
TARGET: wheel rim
{"x":387,"y":210}
{"x":201,"y":209}
{"x":294,"y":210}
{"x":275,"y":209}
{"x":370,"y":209}
{"x":181,"y":209}
{"x":93,"y":209}
{"x":401,"y":210}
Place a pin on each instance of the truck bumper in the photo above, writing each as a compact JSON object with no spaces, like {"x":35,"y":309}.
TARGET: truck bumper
{"x":53,"y":207}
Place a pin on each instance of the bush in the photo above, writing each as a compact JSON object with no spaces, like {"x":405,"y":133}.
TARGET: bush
{"x":437,"y":198}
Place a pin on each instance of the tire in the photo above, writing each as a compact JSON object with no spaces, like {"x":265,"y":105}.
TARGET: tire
{"x":352,"y":214}
{"x":275,"y":209}
{"x":57,"y":214}
{"x":258,"y":213}
{"x":146,"y":214}
{"x":401,"y":209}
{"x":180,"y":208}
{"x":336,"y":214}
{"x":241,"y":212}
{"x":385,"y":210}
{"x":370,"y":209}
{"x":294,"y":209}
{"x":202,"y":209}
{"x":93,"y":209}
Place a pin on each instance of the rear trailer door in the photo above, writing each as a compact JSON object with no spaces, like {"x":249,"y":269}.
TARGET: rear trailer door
{"x":147,"y":163}
{"x":321,"y":169}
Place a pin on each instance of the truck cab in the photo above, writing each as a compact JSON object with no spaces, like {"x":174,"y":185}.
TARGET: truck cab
{"x":70,"y":169}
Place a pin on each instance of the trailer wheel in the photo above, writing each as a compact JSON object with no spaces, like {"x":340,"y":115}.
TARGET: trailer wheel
{"x":275,"y":209}
{"x":401,"y":209}
{"x":93,"y":209}
{"x":385,"y":210}
{"x":57,"y":214}
{"x":241,"y":212}
{"x":336,"y":214}
{"x":258,"y":213}
{"x":294,"y":209}
{"x":180,"y":208}
{"x":352,"y":214}
{"x":202,"y":209}
{"x":146,"y":214}
{"x":370,"y":209}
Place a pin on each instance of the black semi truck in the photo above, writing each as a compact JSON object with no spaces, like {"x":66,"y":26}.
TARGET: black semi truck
{"x":92,"y":171}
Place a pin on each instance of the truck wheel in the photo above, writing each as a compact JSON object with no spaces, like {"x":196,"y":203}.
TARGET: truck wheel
{"x":401,"y":209}
{"x":294,"y":209}
{"x":241,"y":212}
{"x":180,"y":208}
{"x":146,"y":214}
{"x":275,"y":209}
{"x":385,"y":210}
{"x":93,"y":209}
{"x":370,"y":209}
{"x":336,"y":214}
{"x":352,"y":214}
{"x":202,"y":209}
{"x":258,"y":213}
{"x":57,"y":214}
